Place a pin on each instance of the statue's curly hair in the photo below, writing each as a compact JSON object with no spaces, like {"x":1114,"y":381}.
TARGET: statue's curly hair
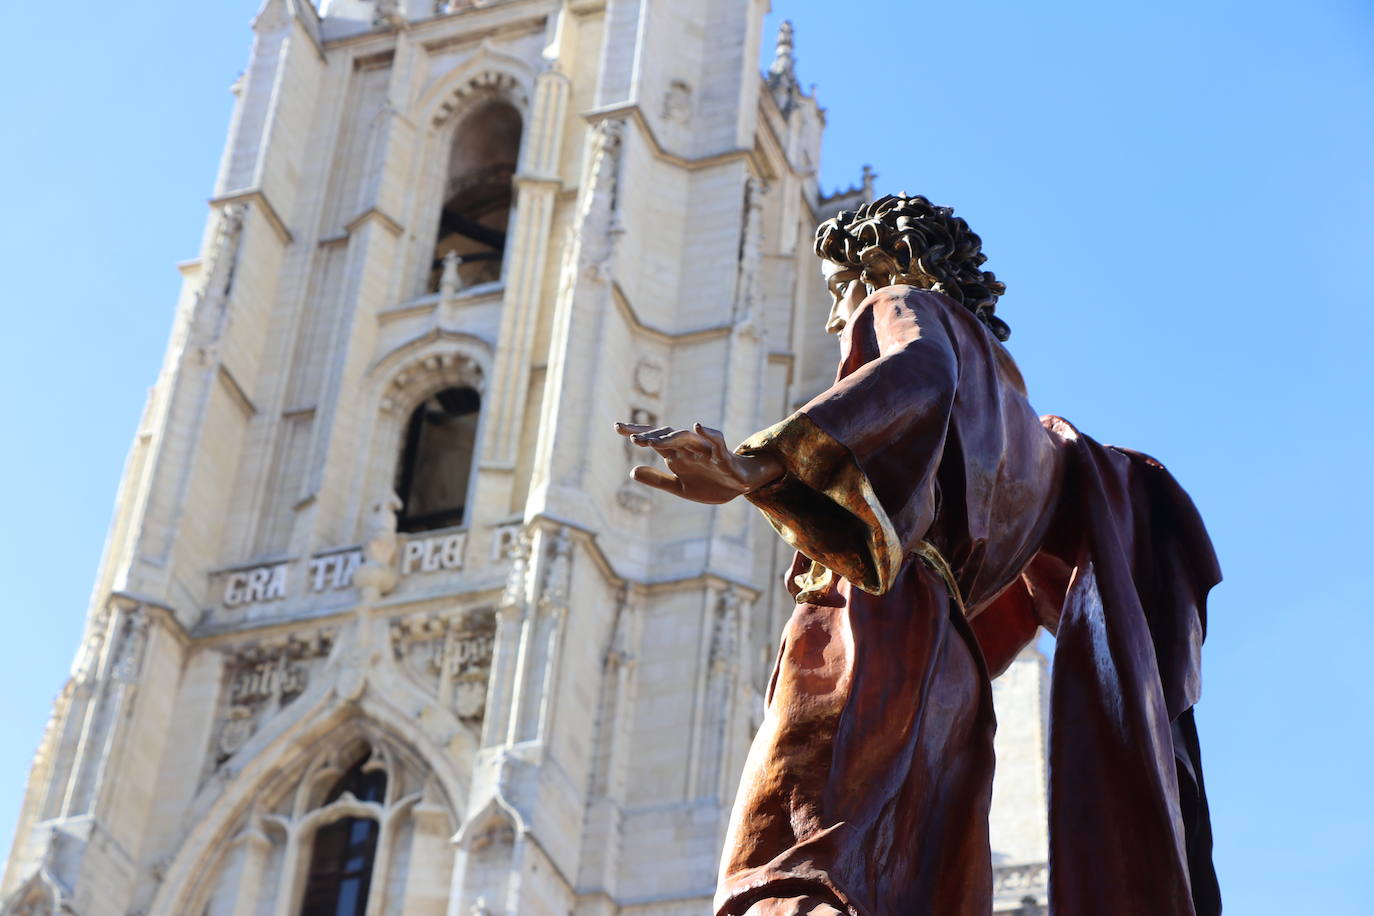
{"x":900,"y":239}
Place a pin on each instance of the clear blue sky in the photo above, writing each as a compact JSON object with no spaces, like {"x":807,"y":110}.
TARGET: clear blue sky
{"x":1179,"y":196}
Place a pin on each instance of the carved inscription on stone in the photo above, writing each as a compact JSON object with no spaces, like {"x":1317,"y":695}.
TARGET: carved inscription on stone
{"x":451,"y":655}
{"x":503,"y":539}
{"x":333,"y":570}
{"x":254,"y":586}
{"x":433,"y":554}
{"x":263,"y":678}
{"x":1020,"y":879}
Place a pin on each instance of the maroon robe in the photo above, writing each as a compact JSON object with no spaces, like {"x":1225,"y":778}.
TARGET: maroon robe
{"x":939,"y":522}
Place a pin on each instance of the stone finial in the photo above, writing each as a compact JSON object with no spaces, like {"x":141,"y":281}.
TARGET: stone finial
{"x":869,"y":177}
{"x":782,"y":73}
{"x":784,"y":61}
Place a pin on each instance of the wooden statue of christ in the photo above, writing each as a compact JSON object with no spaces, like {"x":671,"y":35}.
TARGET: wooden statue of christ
{"x":938,"y":522}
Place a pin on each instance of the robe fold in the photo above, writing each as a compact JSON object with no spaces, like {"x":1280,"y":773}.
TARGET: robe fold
{"x":939,"y":522}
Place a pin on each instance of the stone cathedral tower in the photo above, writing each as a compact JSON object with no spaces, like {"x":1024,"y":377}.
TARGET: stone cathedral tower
{"x":381,"y":626}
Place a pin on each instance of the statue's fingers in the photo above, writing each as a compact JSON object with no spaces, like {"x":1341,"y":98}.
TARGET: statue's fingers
{"x":719,"y":450}
{"x":698,"y":447}
{"x":631,"y":429}
{"x":657,"y":479}
{"x":681,"y":438}
{"x":649,"y":437}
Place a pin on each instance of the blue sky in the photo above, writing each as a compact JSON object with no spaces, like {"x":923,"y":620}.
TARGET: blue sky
{"x":1179,"y":197}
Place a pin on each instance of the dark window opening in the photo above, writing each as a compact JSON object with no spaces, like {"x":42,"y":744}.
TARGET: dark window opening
{"x":478,"y":195}
{"x":436,"y":462}
{"x":343,"y":852}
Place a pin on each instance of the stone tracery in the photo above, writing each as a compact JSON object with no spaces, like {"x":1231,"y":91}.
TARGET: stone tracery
{"x":266,"y":865}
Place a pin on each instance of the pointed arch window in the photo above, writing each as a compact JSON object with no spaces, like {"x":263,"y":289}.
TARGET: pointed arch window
{"x":436,"y":460}
{"x":344,"y":851}
{"x":478,"y":194}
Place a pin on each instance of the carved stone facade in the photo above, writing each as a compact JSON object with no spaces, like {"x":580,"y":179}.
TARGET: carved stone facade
{"x":552,"y":697}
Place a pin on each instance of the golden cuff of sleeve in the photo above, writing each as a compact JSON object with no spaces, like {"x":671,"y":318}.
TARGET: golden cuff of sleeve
{"x":824,"y":505}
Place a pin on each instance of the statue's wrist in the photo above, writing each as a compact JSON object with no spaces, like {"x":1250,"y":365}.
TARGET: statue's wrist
{"x":759,"y":470}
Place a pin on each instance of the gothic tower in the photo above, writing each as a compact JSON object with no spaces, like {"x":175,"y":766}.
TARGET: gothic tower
{"x":381,"y":626}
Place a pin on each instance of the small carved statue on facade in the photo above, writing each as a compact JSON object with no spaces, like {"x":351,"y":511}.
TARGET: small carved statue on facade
{"x":379,"y":542}
{"x":938,"y":524}
{"x":377,"y":574}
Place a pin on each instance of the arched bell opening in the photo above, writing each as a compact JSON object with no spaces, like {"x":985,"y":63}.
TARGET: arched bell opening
{"x":478,"y":195}
{"x":434,"y":474}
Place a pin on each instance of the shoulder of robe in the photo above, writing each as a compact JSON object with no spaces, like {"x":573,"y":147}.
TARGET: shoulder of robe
{"x":911,"y":297}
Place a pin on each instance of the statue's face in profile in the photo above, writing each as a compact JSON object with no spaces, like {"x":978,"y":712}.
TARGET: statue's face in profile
{"x":847,"y":292}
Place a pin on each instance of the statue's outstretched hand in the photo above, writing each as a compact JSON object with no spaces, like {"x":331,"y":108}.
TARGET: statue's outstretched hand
{"x":700,"y":466}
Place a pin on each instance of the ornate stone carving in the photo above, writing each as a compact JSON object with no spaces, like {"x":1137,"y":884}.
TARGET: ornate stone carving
{"x":263,"y":678}
{"x":235,"y":731}
{"x":438,"y":370}
{"x":450,"y":655}
{"x":488,"y":81}
{"x":601,"y":228}
{"x":1008,"y":880}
